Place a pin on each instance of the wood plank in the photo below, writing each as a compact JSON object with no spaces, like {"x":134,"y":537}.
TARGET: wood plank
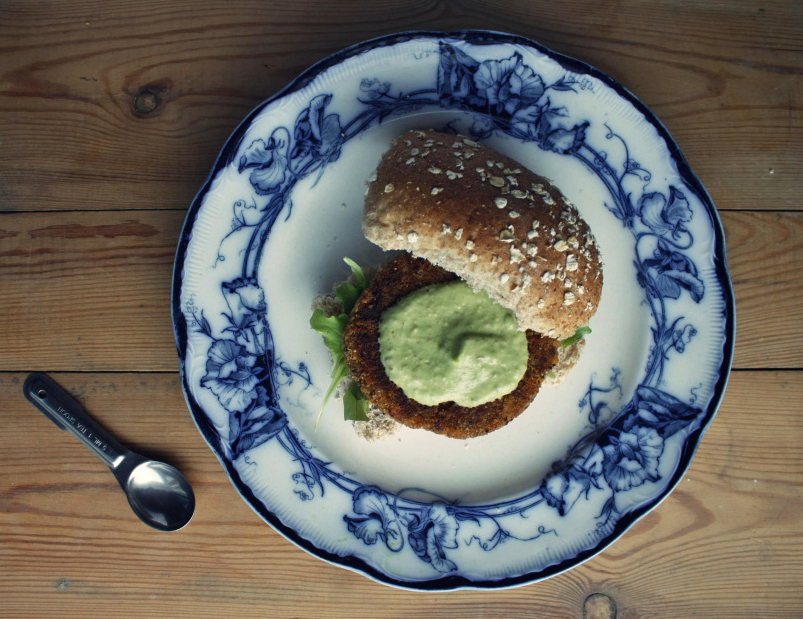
{"x":731,"y":524}
{"x":764,"y":254}
{"x":87,"y":290}
{"x":94,"y":186}
{"x":726,"y":79}
{"x":79,"y":277}
{"x":726,"y":542}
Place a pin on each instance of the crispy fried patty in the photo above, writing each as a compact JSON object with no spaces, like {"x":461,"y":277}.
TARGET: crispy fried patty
{"x":398,"y":278}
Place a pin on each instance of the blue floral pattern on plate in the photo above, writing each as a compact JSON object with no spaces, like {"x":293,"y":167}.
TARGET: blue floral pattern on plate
{"x":636,"y":443}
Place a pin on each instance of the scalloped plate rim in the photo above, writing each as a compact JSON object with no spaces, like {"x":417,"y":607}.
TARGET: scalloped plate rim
{"x":691,"y":442}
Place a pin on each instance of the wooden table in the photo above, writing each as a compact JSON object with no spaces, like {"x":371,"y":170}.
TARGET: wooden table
{"x":111,"y":114}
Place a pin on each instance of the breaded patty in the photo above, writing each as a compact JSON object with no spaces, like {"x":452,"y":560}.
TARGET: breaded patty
{"x":399,"y":277}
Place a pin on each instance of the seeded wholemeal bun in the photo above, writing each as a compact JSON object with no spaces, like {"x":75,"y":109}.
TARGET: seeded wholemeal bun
{"x":492,"y":222}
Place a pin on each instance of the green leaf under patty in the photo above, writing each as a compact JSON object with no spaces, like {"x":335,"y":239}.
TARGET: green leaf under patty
{"x":347,"y":293}
{"x":331,"y":329}
{"x":579,"y":334}
{"x":355,"y":404}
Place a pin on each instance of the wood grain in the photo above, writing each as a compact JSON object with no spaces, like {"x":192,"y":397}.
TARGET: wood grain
{"x":73,"y":137}
{"x":92,"y":289}
{"x":764,"y":254}
{"x":111,"y":115}
{"x":725,"y":543}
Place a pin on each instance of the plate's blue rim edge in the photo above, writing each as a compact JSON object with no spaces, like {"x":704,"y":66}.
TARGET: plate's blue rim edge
{"x":691,"y":442}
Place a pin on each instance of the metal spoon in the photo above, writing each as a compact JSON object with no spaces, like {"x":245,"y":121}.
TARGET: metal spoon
{"x":158,"y":493}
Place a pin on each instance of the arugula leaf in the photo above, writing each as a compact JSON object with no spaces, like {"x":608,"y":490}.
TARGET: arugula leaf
{"x":355,"y":404}
{"x":347,"y":293}
{"x":339,"y":372}
{"x":359,"y":276}
{"x":331,"y":328}
{"x":579,"y":334}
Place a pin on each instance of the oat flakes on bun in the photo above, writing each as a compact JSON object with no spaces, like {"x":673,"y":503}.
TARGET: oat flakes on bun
{"x":491,"y":221}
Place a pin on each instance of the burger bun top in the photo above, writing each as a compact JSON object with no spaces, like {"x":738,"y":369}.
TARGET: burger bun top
{"x":497,"y":225}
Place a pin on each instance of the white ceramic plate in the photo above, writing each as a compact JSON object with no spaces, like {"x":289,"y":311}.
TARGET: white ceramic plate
{"x":269,"y":229}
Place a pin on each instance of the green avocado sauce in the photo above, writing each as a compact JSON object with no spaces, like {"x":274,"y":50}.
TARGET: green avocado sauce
{"x":446,"y":343}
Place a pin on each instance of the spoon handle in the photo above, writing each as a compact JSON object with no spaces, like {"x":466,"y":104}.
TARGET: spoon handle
{"x":62,"y":409}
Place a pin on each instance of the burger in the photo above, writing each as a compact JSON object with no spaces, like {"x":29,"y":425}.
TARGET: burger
{"x":494,"y":283}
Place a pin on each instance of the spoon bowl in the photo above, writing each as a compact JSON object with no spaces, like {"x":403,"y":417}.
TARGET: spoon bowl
{"x":158,"y":493}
